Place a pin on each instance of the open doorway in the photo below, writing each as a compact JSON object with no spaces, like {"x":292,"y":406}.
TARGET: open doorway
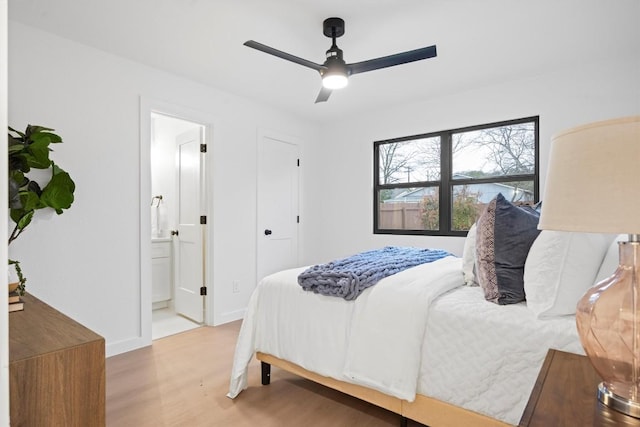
{"x":178,"y":224}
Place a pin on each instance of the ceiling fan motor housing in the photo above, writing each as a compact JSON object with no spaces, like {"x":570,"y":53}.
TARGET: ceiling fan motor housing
{"x":334,"y":54}
{"x":335,"y":62}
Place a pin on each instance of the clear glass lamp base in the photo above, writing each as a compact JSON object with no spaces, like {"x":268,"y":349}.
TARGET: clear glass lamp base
{"x":608,"y":322}
{"x":618,"y":403}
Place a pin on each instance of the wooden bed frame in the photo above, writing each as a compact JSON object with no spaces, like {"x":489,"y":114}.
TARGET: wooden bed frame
{"x":426,"y":410}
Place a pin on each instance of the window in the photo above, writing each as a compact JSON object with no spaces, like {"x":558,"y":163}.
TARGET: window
{"x":438,"y":183}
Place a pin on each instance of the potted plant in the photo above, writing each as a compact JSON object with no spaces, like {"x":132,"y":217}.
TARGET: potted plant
{"x":31,"y":150}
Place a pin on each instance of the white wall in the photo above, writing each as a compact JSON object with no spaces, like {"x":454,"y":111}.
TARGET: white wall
{"x":342,"y":206}
{"x":86,"y":262}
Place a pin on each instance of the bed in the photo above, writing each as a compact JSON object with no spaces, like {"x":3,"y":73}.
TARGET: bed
{"x":424,"y":343}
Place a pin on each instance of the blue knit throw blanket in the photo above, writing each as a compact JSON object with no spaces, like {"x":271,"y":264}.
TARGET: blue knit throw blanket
{"x":349,"y":277}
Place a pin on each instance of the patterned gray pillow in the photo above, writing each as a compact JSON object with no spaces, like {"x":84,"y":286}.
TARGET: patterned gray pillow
{"x":504,"y":235}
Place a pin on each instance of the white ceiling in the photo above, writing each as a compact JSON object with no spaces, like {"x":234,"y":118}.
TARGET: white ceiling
{"x":479,"y":42}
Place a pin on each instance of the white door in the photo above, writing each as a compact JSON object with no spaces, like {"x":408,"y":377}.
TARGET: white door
{"x":190,"y":252}
{"x":277,"y":206}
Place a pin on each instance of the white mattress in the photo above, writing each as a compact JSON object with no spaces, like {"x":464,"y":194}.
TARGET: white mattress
{"x":476,"y":354}
{"x":486,"y":357}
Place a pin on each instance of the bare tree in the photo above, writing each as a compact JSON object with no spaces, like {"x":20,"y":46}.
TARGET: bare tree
{"x":509,"y":150}
{"x":512,"y":148}
{"x":430,"y":155}
{"x":391,"y":162}
{"x":420,"y":157}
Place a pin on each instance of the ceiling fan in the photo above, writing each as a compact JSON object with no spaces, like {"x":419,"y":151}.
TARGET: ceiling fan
{"x":335,"y":72}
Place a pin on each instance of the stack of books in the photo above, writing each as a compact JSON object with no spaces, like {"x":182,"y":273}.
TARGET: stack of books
{"x":15,"y":303}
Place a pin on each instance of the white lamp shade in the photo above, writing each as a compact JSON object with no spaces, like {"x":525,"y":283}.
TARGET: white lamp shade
{"x":593,"y":179}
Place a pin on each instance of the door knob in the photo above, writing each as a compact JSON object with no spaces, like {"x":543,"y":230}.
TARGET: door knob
{"x":267,"y":232}
{"x":174,"y":232}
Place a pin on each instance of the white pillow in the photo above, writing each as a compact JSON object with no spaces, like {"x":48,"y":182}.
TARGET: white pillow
{"x":469,"y":257}
{"x":560,"y":267}
{"x":611,"y":259}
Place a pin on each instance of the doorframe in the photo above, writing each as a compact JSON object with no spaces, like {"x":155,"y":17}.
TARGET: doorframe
{"x":148,"y":106}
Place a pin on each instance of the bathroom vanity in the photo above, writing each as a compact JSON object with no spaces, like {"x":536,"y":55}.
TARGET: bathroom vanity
{"x":161,"y":271}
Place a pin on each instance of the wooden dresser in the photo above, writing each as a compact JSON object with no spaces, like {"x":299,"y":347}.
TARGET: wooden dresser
{"x":56,"y":369}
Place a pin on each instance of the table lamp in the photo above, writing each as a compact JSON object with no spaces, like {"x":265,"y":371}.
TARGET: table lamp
{"x":593,"y":186}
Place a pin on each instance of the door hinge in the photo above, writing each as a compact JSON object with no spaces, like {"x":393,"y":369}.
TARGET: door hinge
{"x":203,"y":290}
{"x":203,"y":219}
{"x":298,"y":162}
{"x":203,"y":148}
{"x":298,"y":219}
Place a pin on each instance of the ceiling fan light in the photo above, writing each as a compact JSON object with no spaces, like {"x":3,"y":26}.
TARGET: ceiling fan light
{"x":334,"y":81}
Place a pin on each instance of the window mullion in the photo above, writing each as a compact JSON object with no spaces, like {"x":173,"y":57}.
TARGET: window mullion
{"x":445,"y":182}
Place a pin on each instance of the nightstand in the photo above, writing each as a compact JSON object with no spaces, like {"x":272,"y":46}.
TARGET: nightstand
{"x":565,"y":395}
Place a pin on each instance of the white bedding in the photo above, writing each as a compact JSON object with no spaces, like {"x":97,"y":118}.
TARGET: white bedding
{"x":384,"y":336}
{"x":486,"y":357}
{"x":477,"y":355}
{"x":346,"y":340}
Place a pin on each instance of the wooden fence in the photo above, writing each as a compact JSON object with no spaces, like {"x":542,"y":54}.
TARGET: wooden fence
{"x":400,"y":216}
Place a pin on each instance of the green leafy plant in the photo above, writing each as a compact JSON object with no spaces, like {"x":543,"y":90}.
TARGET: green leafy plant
{"x":31,"y":150}
{"x":21,"y":279}
{"x":466,"y":209}
{"x":431,"y":212}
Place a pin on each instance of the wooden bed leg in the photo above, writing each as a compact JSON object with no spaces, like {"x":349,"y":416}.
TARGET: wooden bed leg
{"x":266,"y":373}
{"x":403,"y":421}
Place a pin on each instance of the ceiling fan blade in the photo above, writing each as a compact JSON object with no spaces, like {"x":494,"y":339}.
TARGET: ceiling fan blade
{"x":391,"y":60}
{"x":323,"y":95}
{"x":280,"y":54}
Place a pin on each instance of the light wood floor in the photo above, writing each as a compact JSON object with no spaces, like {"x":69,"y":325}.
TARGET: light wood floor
{"x":182,"y":380}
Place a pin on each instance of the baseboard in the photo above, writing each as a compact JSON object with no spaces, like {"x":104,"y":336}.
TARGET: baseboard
{"x":124,"y":346}
{"x":160,"y":304}
{"x":230,"y":316}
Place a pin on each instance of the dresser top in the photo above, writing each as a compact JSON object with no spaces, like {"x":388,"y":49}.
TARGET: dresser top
{"x":41,"y":329}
